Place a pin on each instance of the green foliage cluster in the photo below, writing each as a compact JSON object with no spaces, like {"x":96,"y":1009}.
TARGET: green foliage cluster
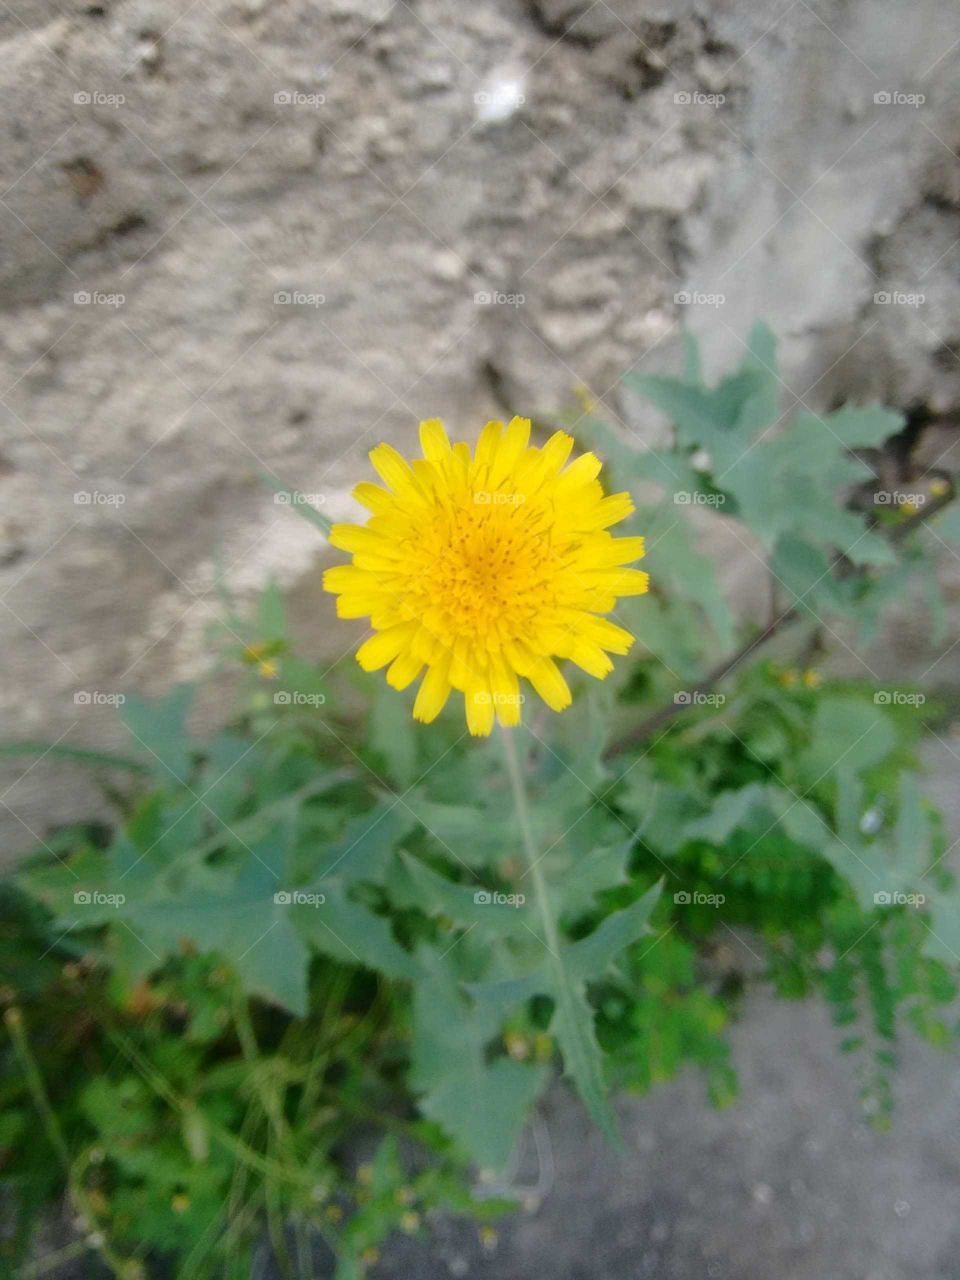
{"x":311,"y":933}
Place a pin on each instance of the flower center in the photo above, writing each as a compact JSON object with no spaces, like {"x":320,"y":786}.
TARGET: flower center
{"x":484,"y":571}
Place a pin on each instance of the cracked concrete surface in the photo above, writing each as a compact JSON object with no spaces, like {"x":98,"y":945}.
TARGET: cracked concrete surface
{"x":239,"y":237}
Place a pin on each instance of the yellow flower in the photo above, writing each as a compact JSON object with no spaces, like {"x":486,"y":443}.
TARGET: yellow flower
{"x":485,"y":569}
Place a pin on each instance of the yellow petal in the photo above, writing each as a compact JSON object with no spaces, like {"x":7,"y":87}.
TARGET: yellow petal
{"x":384,"y":647}
{"x":549,"y":683}
{"x":404,"y":670}
{"x":479,"y":707}
{"x":433,"y":440}
{"x":392,"y":468}
{"x":432,"y":694}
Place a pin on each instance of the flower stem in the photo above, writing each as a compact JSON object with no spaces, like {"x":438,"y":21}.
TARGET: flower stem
{"x":515,"y":772}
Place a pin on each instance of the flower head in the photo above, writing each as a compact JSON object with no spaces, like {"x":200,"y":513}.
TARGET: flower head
{"x":478,"y":570}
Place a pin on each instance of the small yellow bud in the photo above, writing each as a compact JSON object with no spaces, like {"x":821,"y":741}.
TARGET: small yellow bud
{"x":365,"y":1175}
{"x":488,"y":1238}
{"x":334,"y":1212}
{"x":370,"y":1256}
{"x":939,"y":486}
{"x":268,"y":669}
{"x":812,"y":679}
{"x":410,"y":1222}
{"x":180,"y":1203}
{"x":543,"y":1046}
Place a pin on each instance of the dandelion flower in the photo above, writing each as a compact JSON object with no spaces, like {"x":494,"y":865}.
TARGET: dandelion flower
{"x":476,"y":572}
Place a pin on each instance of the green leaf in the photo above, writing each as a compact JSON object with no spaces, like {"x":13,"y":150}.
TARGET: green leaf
{"x":242,"y":921}
{"x":469,"y":905}
{"x":589,"y":958}
{"x":159,"y":726}
{"x":483,"y":1105}
{"x":846,"y":731}
{"x":352,"y":933}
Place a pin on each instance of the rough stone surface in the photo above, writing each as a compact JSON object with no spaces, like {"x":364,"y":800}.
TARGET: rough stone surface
{"x":386,"y":165}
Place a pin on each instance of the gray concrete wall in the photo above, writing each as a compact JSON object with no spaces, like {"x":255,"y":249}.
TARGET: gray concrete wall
{"x":169,"y":173}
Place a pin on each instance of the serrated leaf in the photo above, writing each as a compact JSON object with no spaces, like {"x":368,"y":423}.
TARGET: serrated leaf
{"x":482,"y":1105}
{"x":589,"y":958}
{"x":350,"y":932}
{"x":469,"y":905}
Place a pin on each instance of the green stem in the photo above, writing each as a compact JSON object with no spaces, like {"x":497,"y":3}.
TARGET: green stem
{"x":14,"y":1021}
{"x":515,"y":771}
